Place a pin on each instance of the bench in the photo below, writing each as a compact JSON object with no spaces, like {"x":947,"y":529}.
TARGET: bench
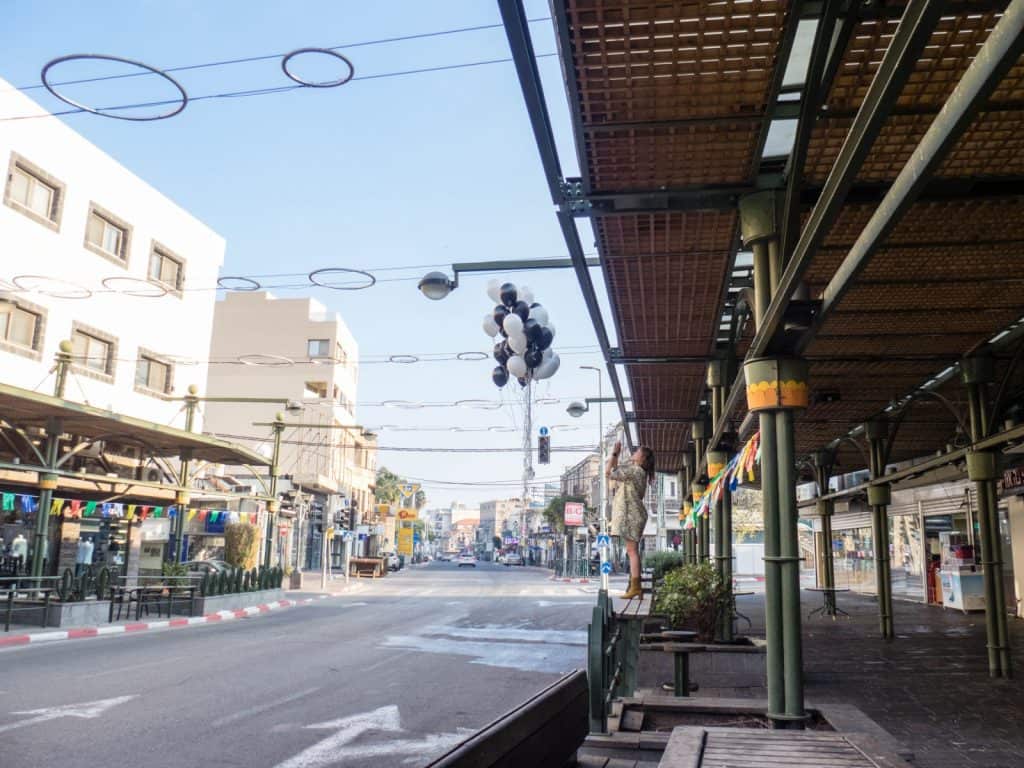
{"x":366,"y":566}
{"x":702,"y":747}
{"x":544,"y":732}
{"x":613,"y":652}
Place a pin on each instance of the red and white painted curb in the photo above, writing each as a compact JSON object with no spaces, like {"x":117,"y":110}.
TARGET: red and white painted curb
{"x":34,"y":638}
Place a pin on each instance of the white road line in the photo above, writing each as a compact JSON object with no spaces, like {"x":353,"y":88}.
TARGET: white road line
{"x":242,"y":714}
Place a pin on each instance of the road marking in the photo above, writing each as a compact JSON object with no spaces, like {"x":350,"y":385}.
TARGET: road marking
{"x":559,"y":603}
{"x":262,"y":708}
{"x":118,"y":670}
{"x":88,"y":710}
{"x":533,"y":657}
{"x":325,"y":752}
{"x":514,"y":634}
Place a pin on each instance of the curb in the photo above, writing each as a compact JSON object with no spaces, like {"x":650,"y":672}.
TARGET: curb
{"x":568,"y":581}
{"x":35,"y":638}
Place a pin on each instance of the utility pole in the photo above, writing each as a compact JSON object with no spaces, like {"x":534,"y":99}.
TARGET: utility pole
{"x":182,"y":497}
{"x":275,"y":470}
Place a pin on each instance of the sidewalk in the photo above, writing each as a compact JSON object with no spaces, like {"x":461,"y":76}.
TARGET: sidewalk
{"x":23,"y":634}
{"x":929,"y":688}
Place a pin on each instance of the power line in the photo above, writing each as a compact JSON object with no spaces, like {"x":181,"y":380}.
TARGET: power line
{"x":270,"y":56}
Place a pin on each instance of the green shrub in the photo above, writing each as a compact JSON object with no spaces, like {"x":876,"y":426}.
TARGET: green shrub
{"x":661,"y":562}
{"x":693,"y":595}
{"x":241,"y":543}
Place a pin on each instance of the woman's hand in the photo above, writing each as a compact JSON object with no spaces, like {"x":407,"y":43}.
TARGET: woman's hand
{"x":617,"y":449}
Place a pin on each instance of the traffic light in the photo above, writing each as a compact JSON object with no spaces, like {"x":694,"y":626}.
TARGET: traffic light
{"x":544,"y":449}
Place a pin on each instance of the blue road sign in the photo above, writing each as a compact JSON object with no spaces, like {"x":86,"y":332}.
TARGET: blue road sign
{"x":604,"y":540}
{"x":544,"y":431}
{"x":606,"y":568}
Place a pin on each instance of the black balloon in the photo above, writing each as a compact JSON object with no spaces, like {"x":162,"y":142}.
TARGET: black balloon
{"x":523,"y":381}
{"x":533,"y":357}
{"x":532,"y":329}
{"x":535,"y":304}
{"x":499,"y":376}
{"x":501,"y":352}
{"x":500,"y":313}
{"x":522,"y":309}
{"x":509,"y":294}
{"x":546,"y":337}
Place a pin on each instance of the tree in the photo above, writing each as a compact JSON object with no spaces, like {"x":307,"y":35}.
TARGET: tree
{"x":420,"y":500}
{"x":388,"y":489}
{"x":554,"y":512}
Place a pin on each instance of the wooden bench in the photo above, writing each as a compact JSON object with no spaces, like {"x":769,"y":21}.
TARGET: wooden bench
{"x":544,"y":732}
{"x":366,"y":566}
{"x":707,"y":747}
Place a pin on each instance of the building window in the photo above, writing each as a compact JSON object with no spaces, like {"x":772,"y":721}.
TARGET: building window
{"x":107,"y":235}
{"x":92,"y":352}
{"x":20,"y":328}
{"x":316,"y":389}
{"x":34,"y":192}
{"x":153,"y":375}
{"x":318,"y":347}
{"x":166,"y":269}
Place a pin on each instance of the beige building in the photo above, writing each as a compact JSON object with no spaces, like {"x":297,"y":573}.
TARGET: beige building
{"x":295,"y":349}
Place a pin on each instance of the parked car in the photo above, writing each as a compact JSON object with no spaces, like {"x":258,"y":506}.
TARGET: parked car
{"x":392,"y":561}
{"x":513,"y":558}
{"x":206,"y":566}
{"x":467,"y":560}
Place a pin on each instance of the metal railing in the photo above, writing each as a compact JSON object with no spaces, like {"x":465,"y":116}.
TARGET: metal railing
{"x":574,"y":568}
{"x":24,"y":593}
{"x":613,"y":649}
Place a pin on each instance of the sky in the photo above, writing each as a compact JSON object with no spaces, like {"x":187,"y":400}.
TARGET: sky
{"x":416,"y":171}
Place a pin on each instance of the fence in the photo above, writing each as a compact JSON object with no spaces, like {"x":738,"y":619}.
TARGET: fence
{"x":574,"y":569}
{"x":613,"y":654}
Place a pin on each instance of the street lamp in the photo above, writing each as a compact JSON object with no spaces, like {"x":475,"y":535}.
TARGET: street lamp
{"x":577,"y":409}
{"x":437,"y":285}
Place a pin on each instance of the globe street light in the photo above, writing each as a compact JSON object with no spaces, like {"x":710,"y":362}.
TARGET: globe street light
{"x":436,"y":285}
{"x":576,"y":409}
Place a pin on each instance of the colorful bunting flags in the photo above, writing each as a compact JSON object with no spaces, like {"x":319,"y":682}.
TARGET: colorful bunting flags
{"x":732,"y":476}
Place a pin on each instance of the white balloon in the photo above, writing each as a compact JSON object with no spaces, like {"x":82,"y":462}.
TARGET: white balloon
{"x":547,"y":368}
{"x":494,"y":290}
{"x":490,"y":327}
{"x":513,"y":324}
{"x":516,"y":366}
{"x":525,"y":294}
{"x":518,"y":342}
{"x":548,"y":353}
{"x":551,"y":327}
{"x":539,"y":314}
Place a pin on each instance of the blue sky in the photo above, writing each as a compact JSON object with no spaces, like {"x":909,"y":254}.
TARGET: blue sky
{"x":424,"y":169}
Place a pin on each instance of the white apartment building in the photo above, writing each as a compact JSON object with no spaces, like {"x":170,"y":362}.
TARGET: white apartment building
{"x":92,"y":254}
{"x":268,"y":347}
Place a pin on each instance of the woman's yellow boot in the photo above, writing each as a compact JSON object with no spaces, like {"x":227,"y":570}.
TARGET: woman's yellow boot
{"x":634,"y":589}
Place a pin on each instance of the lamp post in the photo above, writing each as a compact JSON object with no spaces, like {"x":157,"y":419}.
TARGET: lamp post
{"x":576,"y":410}
{"x":437,"y":285}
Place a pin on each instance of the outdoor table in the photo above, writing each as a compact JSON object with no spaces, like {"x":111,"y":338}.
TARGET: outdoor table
{"x":829,"y":608}
{"x":681,"y":657}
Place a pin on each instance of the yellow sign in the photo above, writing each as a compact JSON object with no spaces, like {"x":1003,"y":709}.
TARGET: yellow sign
{"x":407,"y":514}
{"x":409,"y":489}
{"x":405,"y":541}
{"x":330,"y":533}
{"x":384,"y":510}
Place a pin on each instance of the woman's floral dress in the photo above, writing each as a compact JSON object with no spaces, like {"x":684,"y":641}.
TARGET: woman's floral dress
{"x":629,"y":516}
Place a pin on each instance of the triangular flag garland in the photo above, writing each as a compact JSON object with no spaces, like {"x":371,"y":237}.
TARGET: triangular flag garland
{"x":79,"y":508}
{"x":732,"y":475}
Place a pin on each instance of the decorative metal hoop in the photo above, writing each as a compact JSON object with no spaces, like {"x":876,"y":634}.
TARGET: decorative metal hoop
{"x":148,"y":291}
{"x":403,"y":359}
{"x":327,"y":83}
{"x":83,"y":292}
{"x":103,"y":113}
{"x":312,"y":276}
{"x":266,"y":361}
{"x":247,"y":283}
{"x":472,"y":356}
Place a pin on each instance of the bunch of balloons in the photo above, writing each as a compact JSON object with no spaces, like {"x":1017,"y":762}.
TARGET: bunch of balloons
{"x":524,"y":350}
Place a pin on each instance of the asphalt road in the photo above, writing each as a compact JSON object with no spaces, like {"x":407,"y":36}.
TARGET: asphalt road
{"x":391,"y":675}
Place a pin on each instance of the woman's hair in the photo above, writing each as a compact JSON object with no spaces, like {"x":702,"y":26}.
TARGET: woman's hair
{"x":647,"y":463}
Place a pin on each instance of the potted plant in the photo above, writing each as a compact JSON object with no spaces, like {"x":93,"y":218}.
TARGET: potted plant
{"x":693,"y":596}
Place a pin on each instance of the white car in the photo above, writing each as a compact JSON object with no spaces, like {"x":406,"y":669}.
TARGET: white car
{"x":469,"y":560}
{"x":393,"y":563}
{"x":513,"y":558}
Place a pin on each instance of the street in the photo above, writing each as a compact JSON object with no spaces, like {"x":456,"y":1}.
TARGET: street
{"x":392,"y":674}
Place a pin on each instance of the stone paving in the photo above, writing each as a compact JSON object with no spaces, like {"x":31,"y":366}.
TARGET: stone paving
{"x":929,"y":687}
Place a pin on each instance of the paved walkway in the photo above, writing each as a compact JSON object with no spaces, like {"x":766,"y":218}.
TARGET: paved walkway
{"x":929,"y":687}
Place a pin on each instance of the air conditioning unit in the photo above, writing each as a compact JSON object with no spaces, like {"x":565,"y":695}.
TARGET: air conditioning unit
{"x":153,"y":475}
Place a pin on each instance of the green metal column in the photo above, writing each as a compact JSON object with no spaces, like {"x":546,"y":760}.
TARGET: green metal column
{"x":182,"y":497}
{"x":983,"y":470}
{"x":789,"y":565}
{"x":275,"y":471}
{"x":823,"y":463}
{"x":773,"y":633}
{"x":719,"y":374}
{"x":879,"y":498}
{"x":51,"y":448}
{"x":699,"y":432}
{"x":701,"y":531}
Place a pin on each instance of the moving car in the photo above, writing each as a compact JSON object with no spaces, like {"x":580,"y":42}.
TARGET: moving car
{"x":467,"y":559}
{"x":513,"y":558}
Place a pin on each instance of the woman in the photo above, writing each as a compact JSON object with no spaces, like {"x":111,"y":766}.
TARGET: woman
{"x":629,"y":516}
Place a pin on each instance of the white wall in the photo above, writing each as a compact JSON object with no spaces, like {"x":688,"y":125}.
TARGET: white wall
{"x":169,"y":325}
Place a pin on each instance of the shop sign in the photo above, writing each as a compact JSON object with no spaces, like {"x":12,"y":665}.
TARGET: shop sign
{"x":407,"y":514}
{"x":573,"y":513}
{"x":157,"y":529}
{"x":405,"y":541}
{"x":1013,"y":480}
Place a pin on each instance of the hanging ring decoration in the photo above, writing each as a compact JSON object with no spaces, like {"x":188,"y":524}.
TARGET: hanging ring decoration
{"x":472,"y":356}
{"x":326,"y":83}
{"x":403,"y":359}
{"x":179,"y":104}
{"x":243,"y":284}
{"x":62,"y":289}
{"x":147,"y":290}
{"x":266,"y":361}
{"x":316,"y":273}
{"x":409,"y":404}
{"x":484,"y":405}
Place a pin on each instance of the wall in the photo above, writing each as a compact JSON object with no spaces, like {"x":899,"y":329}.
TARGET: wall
{"x":175,"y":326}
